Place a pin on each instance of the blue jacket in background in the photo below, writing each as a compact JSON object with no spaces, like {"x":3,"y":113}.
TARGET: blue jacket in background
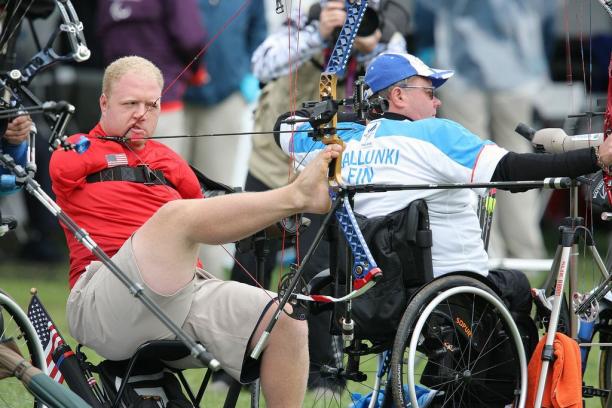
{"x":228,"y":58}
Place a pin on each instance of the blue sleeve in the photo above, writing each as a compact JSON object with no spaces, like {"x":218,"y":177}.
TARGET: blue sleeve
{"x":19,"y":154}
{"x":304,"y":143}
{"x":458,"y":143}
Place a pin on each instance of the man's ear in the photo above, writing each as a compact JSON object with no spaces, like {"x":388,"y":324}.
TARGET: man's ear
{"x":103,"y":103}
{"x":396,"y":96}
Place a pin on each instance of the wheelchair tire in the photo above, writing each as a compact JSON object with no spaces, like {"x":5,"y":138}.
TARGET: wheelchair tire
{"x":605,"y":373}
{"x":457,"y":338}
{"x":16,"y":328}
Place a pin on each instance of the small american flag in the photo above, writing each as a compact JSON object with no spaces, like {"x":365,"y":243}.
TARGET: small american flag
{"x":48,"y":335}
{"x":116,"y":159}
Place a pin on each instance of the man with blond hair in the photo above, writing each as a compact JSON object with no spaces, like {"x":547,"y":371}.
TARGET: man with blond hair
{"x":143,"y":205}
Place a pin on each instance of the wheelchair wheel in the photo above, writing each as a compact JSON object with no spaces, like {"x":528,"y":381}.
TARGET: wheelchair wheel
{"x":348,"y":380}
{"x":16,"y":329}
{"x":458,"y":339}
{"x":605,"y":370}
{"x":605,"y":373}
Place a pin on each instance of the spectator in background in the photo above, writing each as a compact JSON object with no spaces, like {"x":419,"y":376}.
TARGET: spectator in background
{"x":224,"y":103}
{"x":167,"y":32}
{"x":268,"y":165}
{"x":497,"y":53}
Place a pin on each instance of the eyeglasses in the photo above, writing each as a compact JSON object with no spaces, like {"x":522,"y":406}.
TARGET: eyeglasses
{"x":429,"y":90}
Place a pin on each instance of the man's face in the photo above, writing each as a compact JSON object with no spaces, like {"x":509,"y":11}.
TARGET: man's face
{"x":123,"y":110}
{"x":418,"y":100}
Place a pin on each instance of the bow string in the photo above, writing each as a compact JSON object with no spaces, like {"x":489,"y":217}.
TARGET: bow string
{"x":607,"y":118}
{"x":607,"y":130}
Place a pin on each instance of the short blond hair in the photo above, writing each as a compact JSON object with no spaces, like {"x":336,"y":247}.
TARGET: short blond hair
{"x":116,"y":69}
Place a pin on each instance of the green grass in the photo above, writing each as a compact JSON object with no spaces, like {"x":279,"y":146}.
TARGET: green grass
{"x":51,"y":283}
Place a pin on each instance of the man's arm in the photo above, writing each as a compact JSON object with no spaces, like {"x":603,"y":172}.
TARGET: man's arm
{"x":14,"y":140}
{"x":68,"y":169}
{"x":537,"y":166}
{"x":14,"y":143}
{"x":272,"y":58}
{"x":311,"y":33}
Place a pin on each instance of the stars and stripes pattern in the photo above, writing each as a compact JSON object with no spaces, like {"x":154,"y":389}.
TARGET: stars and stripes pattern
{"x":116,"y":159}
{"x":48,"y":335}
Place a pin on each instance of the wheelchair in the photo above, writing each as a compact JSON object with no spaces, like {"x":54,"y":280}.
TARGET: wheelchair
{"x":413,"y":340}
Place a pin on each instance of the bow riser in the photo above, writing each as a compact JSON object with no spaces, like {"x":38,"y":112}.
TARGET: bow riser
{"x":327,"y":91}
{"x":355,"y":10}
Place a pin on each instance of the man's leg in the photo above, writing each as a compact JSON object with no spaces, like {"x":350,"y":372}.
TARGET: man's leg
{"x":166,"y":246}
{"x":247,"y":260}
{"x":228,"y":318}
{"x":284,"y":362}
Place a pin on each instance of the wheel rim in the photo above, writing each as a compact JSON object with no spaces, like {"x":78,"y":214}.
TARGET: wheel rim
{"x":17,"y":329}
{"x":463,"y":376}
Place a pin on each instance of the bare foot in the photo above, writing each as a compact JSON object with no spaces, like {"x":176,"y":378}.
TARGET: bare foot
{"x":311,"y":187}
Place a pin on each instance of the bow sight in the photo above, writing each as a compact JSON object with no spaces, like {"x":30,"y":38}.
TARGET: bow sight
{"x":15,"y":96}
{"x":360,"y":108}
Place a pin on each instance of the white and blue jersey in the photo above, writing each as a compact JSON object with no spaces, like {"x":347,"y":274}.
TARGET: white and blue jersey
{"x":428,"y":151}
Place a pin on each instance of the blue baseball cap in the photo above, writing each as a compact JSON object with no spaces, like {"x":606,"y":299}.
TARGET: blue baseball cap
{"x":387,"y":69}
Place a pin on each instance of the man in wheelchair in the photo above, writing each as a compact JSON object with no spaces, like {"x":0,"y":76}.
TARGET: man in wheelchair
{"x":143,"y":205}
{"x":404,"y":143}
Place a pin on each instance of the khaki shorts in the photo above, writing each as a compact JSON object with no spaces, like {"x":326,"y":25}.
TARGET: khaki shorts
{"x":222,"y":315}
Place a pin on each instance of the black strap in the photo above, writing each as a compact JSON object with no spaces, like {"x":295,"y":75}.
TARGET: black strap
{"x":139,"y":174}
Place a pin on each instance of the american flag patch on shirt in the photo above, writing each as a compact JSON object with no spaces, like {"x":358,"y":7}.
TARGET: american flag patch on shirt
{"x":117,"y":159}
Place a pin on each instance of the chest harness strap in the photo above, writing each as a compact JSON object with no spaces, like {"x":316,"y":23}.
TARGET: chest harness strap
{"x":139,"y":174}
